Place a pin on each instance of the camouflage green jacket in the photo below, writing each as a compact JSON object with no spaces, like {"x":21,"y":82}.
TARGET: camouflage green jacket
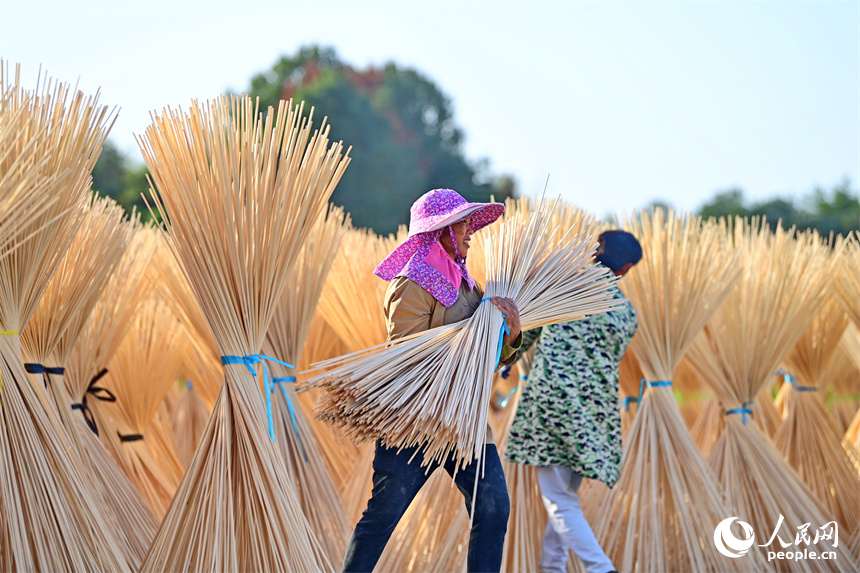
{"x":568,"y":413}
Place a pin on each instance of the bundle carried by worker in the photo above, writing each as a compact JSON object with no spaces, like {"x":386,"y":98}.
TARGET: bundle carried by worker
{"x":238,"y":192}
{"x":433,"y":388}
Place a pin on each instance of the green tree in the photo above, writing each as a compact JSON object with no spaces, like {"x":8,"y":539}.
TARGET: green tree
{"x":836,"y":211}
{"x":120,"y":178}
{"x":401,"y":127}
{"x":726,"y":203}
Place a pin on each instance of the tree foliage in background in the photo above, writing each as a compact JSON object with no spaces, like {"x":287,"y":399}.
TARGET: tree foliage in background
{"x":837,"y":210}
{"x":122,"y":179}
{"x":400,"y":125}
{"x":405,"y":142}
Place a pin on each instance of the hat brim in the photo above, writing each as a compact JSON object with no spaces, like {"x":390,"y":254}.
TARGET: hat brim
{"x":482,"y":214}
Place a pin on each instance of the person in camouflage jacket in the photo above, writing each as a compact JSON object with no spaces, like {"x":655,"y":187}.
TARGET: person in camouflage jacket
{"x":568,"y":422}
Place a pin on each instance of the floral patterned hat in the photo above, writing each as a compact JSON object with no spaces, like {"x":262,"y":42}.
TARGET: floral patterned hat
{"x":431,"y":213}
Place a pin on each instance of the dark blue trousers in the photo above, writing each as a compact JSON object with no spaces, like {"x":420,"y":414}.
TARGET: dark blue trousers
{"x":396,"y":482}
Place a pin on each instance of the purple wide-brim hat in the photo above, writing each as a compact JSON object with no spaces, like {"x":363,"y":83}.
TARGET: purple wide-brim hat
{"x":430,"y":213}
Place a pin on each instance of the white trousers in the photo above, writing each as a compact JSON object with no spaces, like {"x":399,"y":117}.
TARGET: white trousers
{"x":566,"y":528}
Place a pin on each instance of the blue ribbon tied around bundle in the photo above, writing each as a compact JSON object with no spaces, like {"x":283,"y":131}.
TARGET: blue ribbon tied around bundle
{"x":787,"y":377}
{"x":627,"y":400}
{"x":743,"y":410}
{"x":280,"y":382}
{"x":268,"y":382}
{"x":505,"y":330}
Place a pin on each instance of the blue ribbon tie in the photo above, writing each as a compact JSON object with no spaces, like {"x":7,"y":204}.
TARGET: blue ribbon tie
{"x":268,"y":386}
{"x":291,"y":380}
{"x":743,"y":410}
{"x":507,"y":399}
{"x":787,"y":377}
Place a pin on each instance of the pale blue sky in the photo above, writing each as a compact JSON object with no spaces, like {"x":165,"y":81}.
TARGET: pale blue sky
{"x":619,"y":102}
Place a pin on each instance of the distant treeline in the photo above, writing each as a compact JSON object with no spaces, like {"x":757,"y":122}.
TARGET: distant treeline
{"x":405,"y":142}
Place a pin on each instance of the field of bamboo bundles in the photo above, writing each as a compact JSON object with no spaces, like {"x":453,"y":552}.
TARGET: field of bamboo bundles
{"x":204,"y":394}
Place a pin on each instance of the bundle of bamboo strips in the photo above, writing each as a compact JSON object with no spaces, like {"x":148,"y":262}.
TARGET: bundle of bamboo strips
{"x":351,"y":304}
{"x":238,"y":192}
{"x":50,"y":518}
{"x":808,"y":439}
{"x":782,"y":286}
{"x":688,"y":391}
{"x":528,"y":519}
{"x":320,"y":500}
{"x":339,"y":455}
{"x":105,"y":329}
{"x":25,"y":178}
{"x":851,"y":344}
{"x":173,"y":287}
{"x":846,"y":284}
{"x":432,"y":389}
{"x":665,"y":484}
{"x":52,"y":333}
{"x":141,"y":372}
{"x":351,"y":300}
{"x":189,"y":419}
{"x":630,"y":386}
{"x":844,"y":380}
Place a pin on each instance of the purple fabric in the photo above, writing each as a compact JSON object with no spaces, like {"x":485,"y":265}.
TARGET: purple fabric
{"x":409,"y":258}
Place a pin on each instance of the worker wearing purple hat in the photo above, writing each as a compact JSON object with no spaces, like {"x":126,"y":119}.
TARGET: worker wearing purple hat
{"x":430,"y":287}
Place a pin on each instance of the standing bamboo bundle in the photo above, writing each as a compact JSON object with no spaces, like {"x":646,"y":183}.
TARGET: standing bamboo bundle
{"x":173,"y":286}
{"x":238,"y":192}
{"x":48,"y":340}
{"x":844,"y":379}
{"x":140,"y":374}
{"x":323,"y":344}
{"x":351,"y":300}
{"x":106,"y":327}
{"x":443,"y":405}
{"x":808,"y":439}
{"x":851,"y":345}
{"x":25,"y":183}
{"x":189,"y":418}
{"x":665,"y":484}
{"x":630,"y":386}
{"x":528,"y":517}
{"x":781,"y":288}
{"x":351,"y":304}
{"x":846,"y":284}
{"x":688,"y":392}
{"x":320,"y":500}
{"x":49,"y":517}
